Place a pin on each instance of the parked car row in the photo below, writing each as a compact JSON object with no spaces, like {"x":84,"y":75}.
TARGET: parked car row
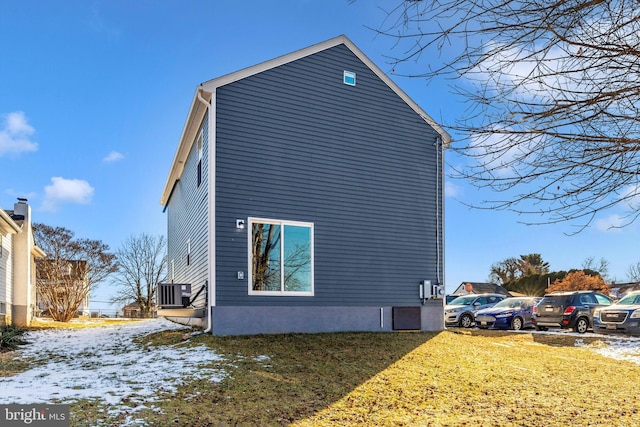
{"x":576,"y":310}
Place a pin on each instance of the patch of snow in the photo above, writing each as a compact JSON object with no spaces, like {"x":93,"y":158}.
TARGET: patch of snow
{"x":104,"y":363}
{"x":619,"y":348}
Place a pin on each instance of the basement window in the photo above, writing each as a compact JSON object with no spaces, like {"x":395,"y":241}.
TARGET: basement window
{"x":280,"y":257}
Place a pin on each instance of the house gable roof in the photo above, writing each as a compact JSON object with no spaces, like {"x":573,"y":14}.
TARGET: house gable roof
{"x":482,"y":288}
{"x":204,"y":93}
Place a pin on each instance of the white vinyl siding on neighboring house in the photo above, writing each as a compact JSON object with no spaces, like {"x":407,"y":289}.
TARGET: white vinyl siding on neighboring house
{"x":6,"y":269}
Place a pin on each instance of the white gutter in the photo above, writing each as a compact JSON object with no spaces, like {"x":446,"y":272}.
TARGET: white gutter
{"x":210,"y":209}
{"x":8,"y":225}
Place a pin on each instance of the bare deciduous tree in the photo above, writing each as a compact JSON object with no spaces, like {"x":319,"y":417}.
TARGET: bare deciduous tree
{"x":70,"y":271}
{"x":505,"y":271}
{"x":553,"y":89}
{"x":602,"y":266}
{"x":633,"y":274}
{"x":142,"y":263}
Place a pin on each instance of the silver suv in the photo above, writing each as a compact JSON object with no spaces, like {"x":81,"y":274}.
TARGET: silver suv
{"x":461,"y":311}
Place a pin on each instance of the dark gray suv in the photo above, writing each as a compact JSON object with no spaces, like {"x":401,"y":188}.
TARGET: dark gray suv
{"x":571,"y":309}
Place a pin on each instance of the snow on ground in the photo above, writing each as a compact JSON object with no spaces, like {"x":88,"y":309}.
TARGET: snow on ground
{"x":619,"y":348}
{"x":104,"y":363}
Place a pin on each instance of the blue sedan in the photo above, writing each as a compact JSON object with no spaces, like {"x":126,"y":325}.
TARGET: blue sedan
{"x":510,"y":313}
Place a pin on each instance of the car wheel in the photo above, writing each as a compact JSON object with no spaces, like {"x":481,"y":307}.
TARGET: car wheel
{"x":466,"y":320}
{"x":581,"y":326}
{"x":541,"y":328}
{"x":516,"y":323}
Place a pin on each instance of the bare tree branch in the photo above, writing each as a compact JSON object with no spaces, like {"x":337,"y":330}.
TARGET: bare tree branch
{"x":553,"y":94}
{"x":142,"y":264}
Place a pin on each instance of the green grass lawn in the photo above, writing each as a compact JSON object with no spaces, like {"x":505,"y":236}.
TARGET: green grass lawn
{"x":452,"y":378}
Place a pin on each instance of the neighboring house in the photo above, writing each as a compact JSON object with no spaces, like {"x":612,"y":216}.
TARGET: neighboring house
{"x":131,"y":311}
{"x":134,"y":311}
{"x":62,"y":280}
{"x":306,"y":195}
{"x":480,"y":288}
{"x":17,"y":265}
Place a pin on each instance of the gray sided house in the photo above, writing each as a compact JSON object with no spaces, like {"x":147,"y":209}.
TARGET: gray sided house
{"x":306,"y":195}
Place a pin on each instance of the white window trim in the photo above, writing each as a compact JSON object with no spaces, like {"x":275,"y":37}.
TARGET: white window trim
{"x":199,"y":140}
{"x":282,"y":223}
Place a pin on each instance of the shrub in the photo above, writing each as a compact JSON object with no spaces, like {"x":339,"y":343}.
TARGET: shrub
{"x":11,"y":337}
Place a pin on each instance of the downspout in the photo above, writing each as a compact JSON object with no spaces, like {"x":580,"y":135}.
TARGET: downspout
{"x":439,"y":194}
{"x":209,"y":282}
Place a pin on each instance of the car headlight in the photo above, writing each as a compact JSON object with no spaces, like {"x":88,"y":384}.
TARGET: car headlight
{"x":635,"y":314}
{"x":596,"y":313}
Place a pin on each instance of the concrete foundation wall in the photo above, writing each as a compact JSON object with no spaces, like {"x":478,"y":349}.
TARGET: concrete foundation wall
{"x":249,"y":320}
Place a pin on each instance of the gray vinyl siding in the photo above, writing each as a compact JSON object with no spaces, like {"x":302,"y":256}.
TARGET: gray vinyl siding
{"x":295,"y":143}
{"x":188,"y":221}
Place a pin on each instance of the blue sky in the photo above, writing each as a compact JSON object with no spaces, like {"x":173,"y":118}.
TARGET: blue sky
{"x":94,"y":95}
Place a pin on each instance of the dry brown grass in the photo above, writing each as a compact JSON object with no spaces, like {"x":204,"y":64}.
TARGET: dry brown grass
{"x":11,"y":365}
{"x":452,"y":378}
{"x":479,"y":378}
{"x":44,"y":323}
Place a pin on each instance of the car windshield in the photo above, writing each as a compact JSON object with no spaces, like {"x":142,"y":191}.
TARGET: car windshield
{"x":631,"y":299}
{"x":463,"y":300}
{"x":510,"y":303}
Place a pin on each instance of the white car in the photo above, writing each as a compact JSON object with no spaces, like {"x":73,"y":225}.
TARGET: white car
{"x":461,"y":311}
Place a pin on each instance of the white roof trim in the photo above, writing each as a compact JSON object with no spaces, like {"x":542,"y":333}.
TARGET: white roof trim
{"x":195,"y":117}
{"x":211,"y":85}
{"x":207,"y":88}
{"x":7,"y":224}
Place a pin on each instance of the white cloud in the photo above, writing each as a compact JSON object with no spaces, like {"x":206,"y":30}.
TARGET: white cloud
{"x":64,"y":190}
{"x":113,"y":156}
{"x":611,"y":223}
{"x":631,"y":194}
{"x":15,"y":133}
{"x":499,"y":154}
{"x":451,"y":189}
